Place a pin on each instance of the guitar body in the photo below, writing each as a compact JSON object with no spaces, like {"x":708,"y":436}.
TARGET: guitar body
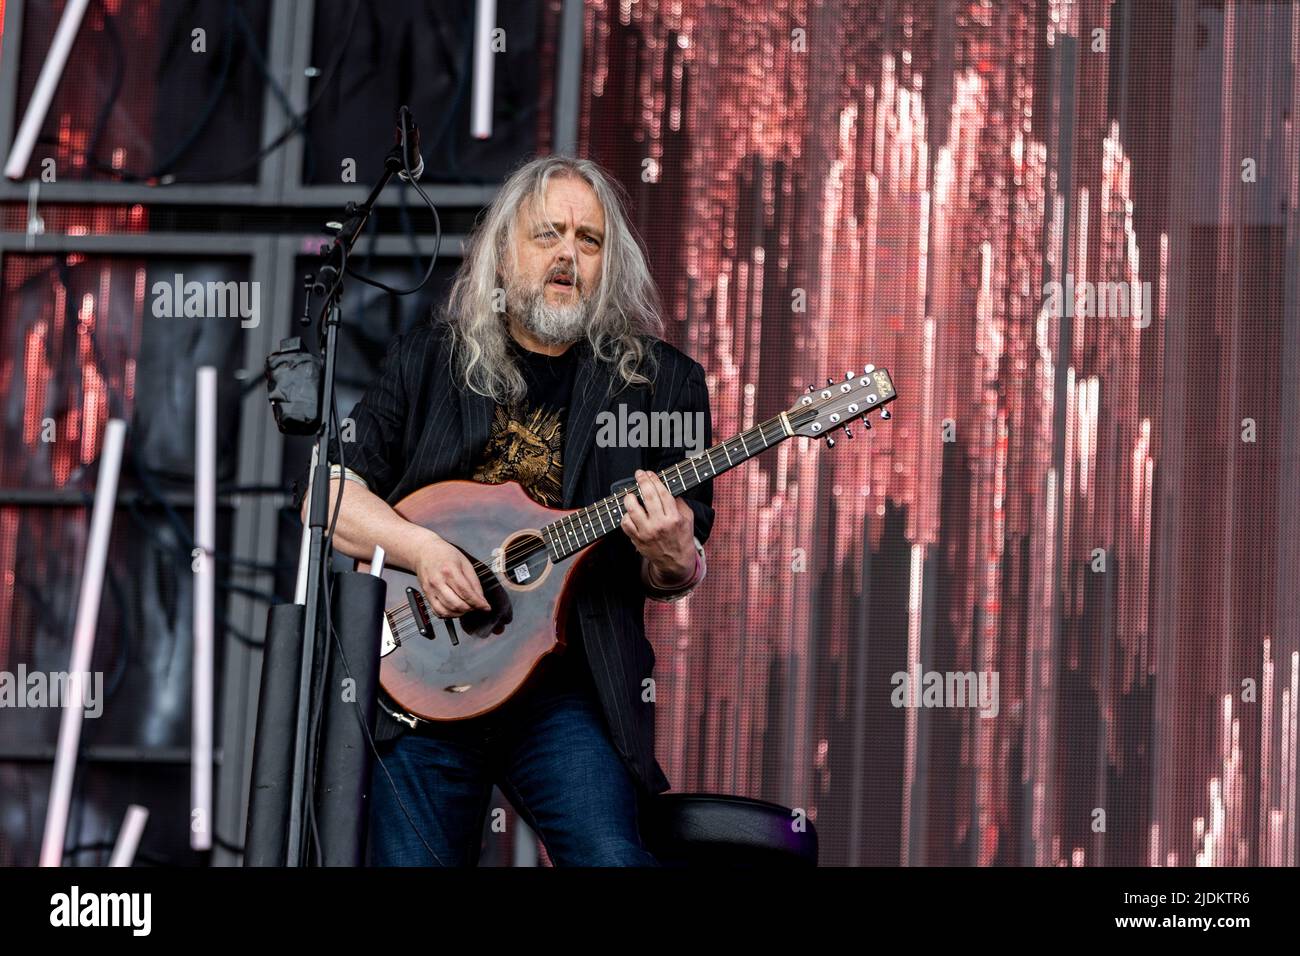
{"x":439,"y":669}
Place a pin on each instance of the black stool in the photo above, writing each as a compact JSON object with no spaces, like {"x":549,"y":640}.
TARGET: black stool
{"x":711,"y":829}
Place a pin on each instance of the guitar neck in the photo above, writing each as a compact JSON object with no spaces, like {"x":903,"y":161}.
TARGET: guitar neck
{"x":587,"y":525}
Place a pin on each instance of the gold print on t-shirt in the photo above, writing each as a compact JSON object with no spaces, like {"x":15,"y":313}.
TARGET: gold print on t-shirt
{"x":525,"y":447}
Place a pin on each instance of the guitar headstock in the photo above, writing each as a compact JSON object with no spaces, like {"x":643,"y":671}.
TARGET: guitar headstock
{"x":837,"y":404}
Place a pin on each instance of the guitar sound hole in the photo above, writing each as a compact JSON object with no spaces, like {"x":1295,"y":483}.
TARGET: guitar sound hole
{"x":523,"y":561}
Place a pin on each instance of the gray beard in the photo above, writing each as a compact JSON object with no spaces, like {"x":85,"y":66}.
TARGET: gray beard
{"x":551,"y":324}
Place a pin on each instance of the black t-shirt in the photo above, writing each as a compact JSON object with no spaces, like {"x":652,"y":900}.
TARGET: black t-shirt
{"x":526,"y":444}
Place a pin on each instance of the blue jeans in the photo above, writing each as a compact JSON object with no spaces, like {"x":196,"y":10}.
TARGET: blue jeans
{"x":548,"y":750}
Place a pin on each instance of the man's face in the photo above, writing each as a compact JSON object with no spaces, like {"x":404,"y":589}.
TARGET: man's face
{"x":559,"y":262}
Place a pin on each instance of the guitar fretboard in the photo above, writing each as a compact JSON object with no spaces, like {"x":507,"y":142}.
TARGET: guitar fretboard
{"x":574,"y":532}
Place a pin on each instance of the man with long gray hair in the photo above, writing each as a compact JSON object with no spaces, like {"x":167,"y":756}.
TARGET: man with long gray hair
{"x":552,"y":320}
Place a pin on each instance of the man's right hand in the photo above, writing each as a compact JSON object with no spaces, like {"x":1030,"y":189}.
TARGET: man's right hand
{"x":448,"y":580}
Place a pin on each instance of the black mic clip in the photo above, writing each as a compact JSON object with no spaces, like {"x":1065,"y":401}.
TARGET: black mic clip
{"x":404,"y":158}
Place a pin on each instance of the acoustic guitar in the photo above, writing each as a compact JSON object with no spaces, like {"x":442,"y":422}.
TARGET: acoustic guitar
{"x":527,"y":555}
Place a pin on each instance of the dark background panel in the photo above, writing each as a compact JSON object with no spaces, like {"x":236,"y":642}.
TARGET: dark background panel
{"x":421,"y":54}
{"x":138,"y":102}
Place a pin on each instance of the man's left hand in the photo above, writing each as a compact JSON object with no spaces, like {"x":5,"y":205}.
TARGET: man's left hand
{"x":662,"y":530}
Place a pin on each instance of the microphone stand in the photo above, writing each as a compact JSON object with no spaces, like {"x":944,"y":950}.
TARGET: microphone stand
{"x":328,"y":282}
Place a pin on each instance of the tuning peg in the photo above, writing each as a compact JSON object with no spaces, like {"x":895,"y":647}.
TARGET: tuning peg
{"x":830,"y":442}
{"x":812,"y":388}
{"x":848,"y":433}
{"x":868,"y":370}
{"x":884,"y":413}
{"x":848,"y":376}
{"x":866,"y":424}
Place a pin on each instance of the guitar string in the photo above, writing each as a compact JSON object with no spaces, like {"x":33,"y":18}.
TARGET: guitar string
{"x":580,"y":525}
{"x":611,"y":505}
{"x":402,"y":617}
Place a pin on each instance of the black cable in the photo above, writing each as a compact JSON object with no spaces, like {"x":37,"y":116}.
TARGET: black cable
{"x":437,"y":241}
{"x":226,"y":844}
{"x":372,"y":244}
{"x":76,"y":821}
{"x":408,"y":228}
{"x":299,"y":121}
{"x":160,"y":172}
{"x":241,"y":636}
{"x":454,"y":111}
{"x":264,"y":596}
{"x":354,"y":330}
{"x":55,"y":623}
{"x":227,"y":490}
{"x":143,"y":473}
{"x":124,"y":632}
{"x":106,"y":845}
{"x":187,"y":543}
{"x":316,"y":721}
{"x":259,"y":60}
{"x":115,"y":89}
{"x":148,"y":485}
{"x":187,"y":142}
{"x":185,"y":549}
{"x":210,"y":107}
{"x":316,"y":712}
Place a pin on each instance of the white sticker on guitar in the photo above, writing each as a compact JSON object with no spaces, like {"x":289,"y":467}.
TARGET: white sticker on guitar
{"x":521,"y":573}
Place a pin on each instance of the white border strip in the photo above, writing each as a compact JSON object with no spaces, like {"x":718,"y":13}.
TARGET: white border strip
{"x":484,"y":70}
{"x":83,"y":643}
{"x":128,"y":838}
{"x":205,"y":542}
{"x":46,"y":85}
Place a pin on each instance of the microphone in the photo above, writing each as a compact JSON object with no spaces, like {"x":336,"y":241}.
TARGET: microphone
{"x":408,"y":139}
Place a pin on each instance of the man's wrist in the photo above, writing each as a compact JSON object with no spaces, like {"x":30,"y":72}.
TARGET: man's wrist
{"x":679,"y":575}
{"x":661,"y":592}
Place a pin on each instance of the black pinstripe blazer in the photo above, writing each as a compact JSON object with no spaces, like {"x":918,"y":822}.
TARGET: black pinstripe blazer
{"x":414,"y":427}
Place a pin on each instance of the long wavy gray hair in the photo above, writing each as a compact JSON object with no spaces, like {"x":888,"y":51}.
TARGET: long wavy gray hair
{"x":624,"y":312}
